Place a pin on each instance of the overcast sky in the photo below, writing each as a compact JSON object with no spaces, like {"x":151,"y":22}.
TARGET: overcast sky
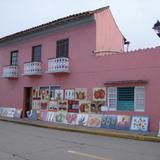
{"x":135,"y":18}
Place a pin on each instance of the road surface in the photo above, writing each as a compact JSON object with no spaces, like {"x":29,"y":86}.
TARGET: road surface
{"x":19,"y":142}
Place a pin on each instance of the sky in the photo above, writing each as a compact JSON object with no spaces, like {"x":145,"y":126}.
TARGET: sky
{"x":135,"y":18}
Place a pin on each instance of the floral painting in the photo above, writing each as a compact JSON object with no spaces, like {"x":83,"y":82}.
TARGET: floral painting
{"x":99,"y":94}
{"x":139,"y":123}
{"x":60,"y":117}
{"x":82,"y":119}
{"x":59,"y":93}
{"x":71,"y":118}
{"x":81,"y":94}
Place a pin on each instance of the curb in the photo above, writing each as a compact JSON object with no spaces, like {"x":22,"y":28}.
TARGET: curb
{"x":117,"y":134}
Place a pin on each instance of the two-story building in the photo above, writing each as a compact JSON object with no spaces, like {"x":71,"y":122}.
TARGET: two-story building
{"x":84,"y":50}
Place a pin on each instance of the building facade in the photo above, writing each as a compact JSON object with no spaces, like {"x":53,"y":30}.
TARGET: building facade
{"x":82,"y":51}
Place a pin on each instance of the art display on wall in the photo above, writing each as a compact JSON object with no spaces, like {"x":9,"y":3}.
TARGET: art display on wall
{"x":96,"y":107}
{"x":50,"y":116}
{"x":60,"y":117}
{"x":123,"y":122}
{"x":159,"y":130}
{"x":139,"y":123}
{"x":59,"y":93}
{"x":82,"y":119}
{"x":69,"y":94}
{"x":53,"y":106}
{"x":109,"y":121}
{"x":94,"y":120}
{"x":43,"y":115}
{"x":35,"y":93}
{"x":63,"y":105}
{"x":71,"y":118}
{"x":81,"y":94}
{"x":73,"y":106}
{"x":99,"y":94}
{"x":85,"y":106}
{"x":36,"y":104}
{"x":32,"y":114}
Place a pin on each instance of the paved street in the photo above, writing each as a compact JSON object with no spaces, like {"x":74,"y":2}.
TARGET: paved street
{"x":18,"y":142}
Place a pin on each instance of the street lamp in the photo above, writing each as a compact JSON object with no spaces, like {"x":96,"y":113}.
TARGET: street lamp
{"x":156,"y":27}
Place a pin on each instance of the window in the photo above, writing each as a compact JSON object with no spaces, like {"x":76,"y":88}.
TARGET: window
{"x":62,"y":48}
{"x":36,"y":53}
{"x":14,"y":58}
{"x":126,"y":98}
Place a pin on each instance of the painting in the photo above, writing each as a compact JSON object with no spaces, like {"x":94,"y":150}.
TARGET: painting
{"x":32,"y":114}
{"x":81,"y":94}
{"x":63,"y":105}
{"x":60,"y":117}
{"x":50,"y":116}
{"x":82,"y":119}
{"x":36,"y":104}
{"x":85,"y":106}
{"x":109,"y":121}
{"x":53,"y":106}
{"x":139,"y":123}
{"x":35,"y":93}
{"x":123,"y":122}
{"x":43,"y":115}
{"x":71,"y":118}
{"x":73,"y":106}
{"x":18,"y":113}
{"x":99,"y":94}
{"x":69,"y":94}
{"x":94,"y":120}
{"x":59,"y":93}
{"x":159,"y":130}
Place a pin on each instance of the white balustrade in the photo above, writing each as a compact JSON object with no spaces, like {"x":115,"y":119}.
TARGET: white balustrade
{"x":32,"y":68}
{"x":58,"y":65}
{"x":10,"y":71}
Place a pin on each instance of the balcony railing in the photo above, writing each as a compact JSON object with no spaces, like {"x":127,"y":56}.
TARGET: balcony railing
{"x":58,"y":65}
{"x":32,"y":68}
{"x":10,"y":71}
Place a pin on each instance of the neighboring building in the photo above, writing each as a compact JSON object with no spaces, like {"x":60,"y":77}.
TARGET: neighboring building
{"x":84,"y":50}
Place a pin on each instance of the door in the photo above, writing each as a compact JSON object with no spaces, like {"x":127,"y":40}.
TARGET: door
{"x":27,"y":101}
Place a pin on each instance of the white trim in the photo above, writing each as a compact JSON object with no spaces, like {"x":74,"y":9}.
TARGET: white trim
{"x":114,"y":92}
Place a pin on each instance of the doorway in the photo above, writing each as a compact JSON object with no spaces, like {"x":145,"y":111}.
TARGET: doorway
{"x":27,"y":101}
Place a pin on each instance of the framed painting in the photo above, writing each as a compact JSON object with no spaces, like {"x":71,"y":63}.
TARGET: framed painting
{"x":81,"y":94}
{"x":99,"y":94}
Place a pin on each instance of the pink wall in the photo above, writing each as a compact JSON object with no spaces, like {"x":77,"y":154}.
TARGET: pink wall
{"x":108,"y":35}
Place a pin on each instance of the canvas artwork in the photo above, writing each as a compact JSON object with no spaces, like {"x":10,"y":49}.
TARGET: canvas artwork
{"x":109,"y":121}
{"x":94,"y":120}
{"x":123,"y":122}
{"x":32,"y":114}
{"x":36,"y":104}
{"x":63,"y":105}
{"x":69,"y":94}
{"x":85,"y":106}
{"x":99,"y":94}
{"x":73,"y":106}
{"x":81,"y":94}
{"x":59,"y":93}
{"x":50,"y":116}
{"x":43,"y":115}
{"x":71,"y":118}
{"x":139,"y":123}
{"x":82,"y":119}
{"x":53,"y":105}
{"x":60,"y":117}
{"x":35,"y":93}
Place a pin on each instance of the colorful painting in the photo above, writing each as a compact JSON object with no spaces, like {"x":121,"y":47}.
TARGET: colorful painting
{"x":50,"y":116}
{"x":35,"y":93}
{"x":36,"y":104}
{"x":159,"y":130}
{"x":71,"y":118}
{"x":139,"y":123}
{"x":43,"y":115}
{"x":109,"y":121}
{"x":60,"y":117}
{"x":73,"y":106}
{"x":94,"y":120}
{"x":69,"y":94}
{"x":59,"y":93}
{"x":85,"y":107}
{"x":53,"y":106}
{"x":63,"y":105}
{"x":18,"y":113}
{"x":82,"y":119}
{"x":96,"y":107}
{"x":81,"y":94}
{"x":32,"y":115}
{"x":8,"y":112}
{"x":123,"y":122}
{"x":99,"y":94}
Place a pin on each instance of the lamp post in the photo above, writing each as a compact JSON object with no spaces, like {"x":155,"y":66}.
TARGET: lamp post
{"x":156,"y":28}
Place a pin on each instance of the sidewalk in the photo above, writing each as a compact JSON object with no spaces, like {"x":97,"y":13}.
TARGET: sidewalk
{"x":149,"y":136}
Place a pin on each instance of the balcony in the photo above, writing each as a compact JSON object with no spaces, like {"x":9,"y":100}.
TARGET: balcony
{"x":58,"y":65}
{"x":32,"y":69}
{"x":10,"y":71}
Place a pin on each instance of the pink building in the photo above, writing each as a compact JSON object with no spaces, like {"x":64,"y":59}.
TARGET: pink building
{"x":84,"y":50}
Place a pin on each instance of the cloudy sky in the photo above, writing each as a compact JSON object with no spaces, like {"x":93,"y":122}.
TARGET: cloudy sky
{"x":135,"y":18}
